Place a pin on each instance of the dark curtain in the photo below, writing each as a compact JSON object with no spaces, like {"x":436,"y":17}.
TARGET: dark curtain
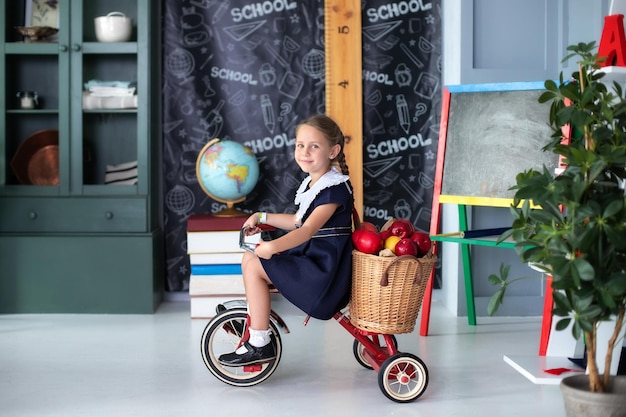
{"x":250,"y":71}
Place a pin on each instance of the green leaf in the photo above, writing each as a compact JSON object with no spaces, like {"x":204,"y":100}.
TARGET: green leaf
{"x":617,"y":237}
{"x":617,"y":285}
{"x":504,"y":236}
{"x":563,"y":323}
{"x":584,"y":269}
{"x":561,"y":301}
{"x":613,"y":208}
{"x":550,"y":94}
{"x":495,"y":279}
{"x":607,"y":299}
{"x":495,"y":301}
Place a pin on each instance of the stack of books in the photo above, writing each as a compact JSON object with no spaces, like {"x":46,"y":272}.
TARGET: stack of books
{"x":215,"y":258}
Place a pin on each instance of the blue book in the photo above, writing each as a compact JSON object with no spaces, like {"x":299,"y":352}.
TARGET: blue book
{"x":216,"y":269}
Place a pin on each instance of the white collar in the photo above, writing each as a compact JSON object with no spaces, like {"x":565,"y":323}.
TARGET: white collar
{"x":305,"y":197}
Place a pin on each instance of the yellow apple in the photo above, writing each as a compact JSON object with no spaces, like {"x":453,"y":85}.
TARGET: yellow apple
{"x":390,"y":243}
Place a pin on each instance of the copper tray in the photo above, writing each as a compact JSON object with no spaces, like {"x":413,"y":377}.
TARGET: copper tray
{"x":36,"y":161}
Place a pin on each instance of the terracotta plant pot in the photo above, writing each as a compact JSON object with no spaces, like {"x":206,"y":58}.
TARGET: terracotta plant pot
{"x":580,"y":402}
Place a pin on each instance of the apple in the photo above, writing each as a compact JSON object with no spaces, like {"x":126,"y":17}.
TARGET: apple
{"x":391,"y":241}
{"x":408,"y":223}
{"x":402,"y":228}
{"x":406,"y":247}
{"x":367,"y":241}
{"x":423,"y":242}
{"x":385,"y":234}
{"x":369,"y":226}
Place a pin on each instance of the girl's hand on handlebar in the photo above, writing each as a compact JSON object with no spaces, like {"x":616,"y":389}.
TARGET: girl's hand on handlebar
{"x":251,"y":225}
{"x":249,"y":231}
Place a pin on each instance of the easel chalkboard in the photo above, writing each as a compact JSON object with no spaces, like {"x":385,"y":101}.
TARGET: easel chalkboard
{"x":488,"y":134}
{"x":493,"y":132}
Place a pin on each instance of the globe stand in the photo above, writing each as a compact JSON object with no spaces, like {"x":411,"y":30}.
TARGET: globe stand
{"x":230,"y":210}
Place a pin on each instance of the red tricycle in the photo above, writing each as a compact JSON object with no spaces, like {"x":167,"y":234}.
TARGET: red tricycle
{"x":402,"y":377}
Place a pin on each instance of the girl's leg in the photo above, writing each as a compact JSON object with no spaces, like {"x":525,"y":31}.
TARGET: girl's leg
{"x":256,"y":283}
{"x":258,"y":348}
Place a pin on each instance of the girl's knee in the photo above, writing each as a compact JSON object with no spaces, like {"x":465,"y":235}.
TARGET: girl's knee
{"x":252,"y":269}
{"x":251,"y":265}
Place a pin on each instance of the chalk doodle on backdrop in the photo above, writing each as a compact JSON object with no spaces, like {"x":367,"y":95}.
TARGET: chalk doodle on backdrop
{"x":249,"y":71}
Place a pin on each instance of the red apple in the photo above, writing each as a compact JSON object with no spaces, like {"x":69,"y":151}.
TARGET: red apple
{"x":402,"y":228}
{"x":369,"y":226}
{"x":423,"y":242}
{"x":367,"y":241}
{"x":385,"y":234}
{"x":408,"y":223}
{"x":406,"y":247}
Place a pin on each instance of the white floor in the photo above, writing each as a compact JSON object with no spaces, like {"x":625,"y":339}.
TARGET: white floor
{"x":150,"y":365}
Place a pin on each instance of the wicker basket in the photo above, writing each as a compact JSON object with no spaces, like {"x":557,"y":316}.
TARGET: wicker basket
{"x":387,"y":292}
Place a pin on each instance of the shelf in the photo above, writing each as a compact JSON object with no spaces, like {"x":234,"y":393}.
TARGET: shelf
{"x":614,"y":73}
{"x":118,"y":111}
{"x":24,"y":48}
{"x":534,"y":367}
{"x":109,"y":47}
{"x":33,"y":112}
{"x":49,"y":48}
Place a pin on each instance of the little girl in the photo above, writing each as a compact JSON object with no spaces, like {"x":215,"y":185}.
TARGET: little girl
{"x":311,"y":264}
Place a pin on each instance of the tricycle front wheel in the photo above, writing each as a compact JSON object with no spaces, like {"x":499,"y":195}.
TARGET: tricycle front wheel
{"x":403,"y":377}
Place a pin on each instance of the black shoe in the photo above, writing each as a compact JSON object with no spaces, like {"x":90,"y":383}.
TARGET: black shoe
{"x":252,"y":356}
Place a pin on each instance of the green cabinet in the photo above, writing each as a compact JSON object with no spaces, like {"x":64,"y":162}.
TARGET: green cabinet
{"x":72,"y":238}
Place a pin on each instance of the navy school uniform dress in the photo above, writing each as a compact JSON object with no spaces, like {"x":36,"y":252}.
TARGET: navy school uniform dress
{"x":316,"y":276}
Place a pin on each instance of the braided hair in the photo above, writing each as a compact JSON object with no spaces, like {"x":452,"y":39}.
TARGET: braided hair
{"x":332,"y":132}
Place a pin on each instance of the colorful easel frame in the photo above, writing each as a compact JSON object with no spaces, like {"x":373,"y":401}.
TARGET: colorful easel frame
{"x":462,"y":201}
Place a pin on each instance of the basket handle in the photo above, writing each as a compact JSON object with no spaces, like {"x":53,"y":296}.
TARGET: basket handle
{"x":356,"y":220}
{"x":384,"y":281}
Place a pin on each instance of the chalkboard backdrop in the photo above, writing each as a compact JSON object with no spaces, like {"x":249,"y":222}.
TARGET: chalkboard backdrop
{"x":494,"y":131}
{"x":250,"y":71}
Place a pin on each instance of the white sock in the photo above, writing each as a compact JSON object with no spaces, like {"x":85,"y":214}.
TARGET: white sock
{"x":259,"y":338}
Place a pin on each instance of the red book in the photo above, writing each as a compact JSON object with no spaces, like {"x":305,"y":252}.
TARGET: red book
{"x":208,"y":222}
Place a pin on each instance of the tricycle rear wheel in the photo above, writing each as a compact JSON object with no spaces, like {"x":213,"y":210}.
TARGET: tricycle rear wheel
{"x":222,"y":335}
{"x":358,"y":348}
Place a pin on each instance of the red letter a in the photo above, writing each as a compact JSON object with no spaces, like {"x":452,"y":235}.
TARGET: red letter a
{"x":613,"y":42}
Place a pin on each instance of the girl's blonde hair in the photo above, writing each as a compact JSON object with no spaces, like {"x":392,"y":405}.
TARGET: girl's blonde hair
{"x":332,"y":132}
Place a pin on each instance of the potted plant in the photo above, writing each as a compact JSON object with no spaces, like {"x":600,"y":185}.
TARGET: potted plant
{"x":572,"y":224}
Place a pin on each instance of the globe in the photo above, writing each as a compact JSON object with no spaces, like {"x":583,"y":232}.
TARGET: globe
{"x":227,"y":171}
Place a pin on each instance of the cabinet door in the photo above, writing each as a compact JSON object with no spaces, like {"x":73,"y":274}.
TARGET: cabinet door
{"x":65,"y":145}
{"x":79,"y":135}
{"x":104,"y":124}
{"x":34,"y":132}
